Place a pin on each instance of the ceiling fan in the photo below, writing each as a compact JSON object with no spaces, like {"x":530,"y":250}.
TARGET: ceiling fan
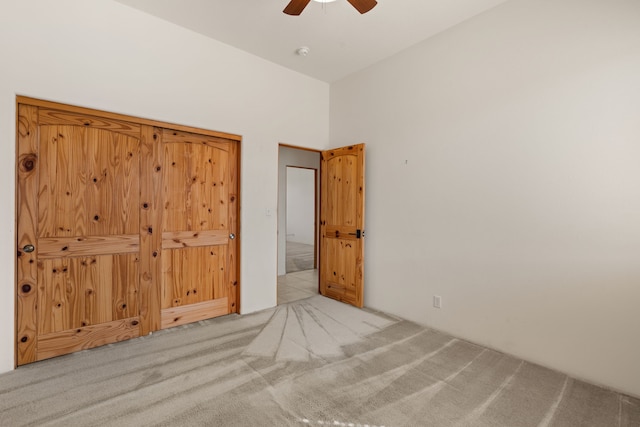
{"x":295,"y":7}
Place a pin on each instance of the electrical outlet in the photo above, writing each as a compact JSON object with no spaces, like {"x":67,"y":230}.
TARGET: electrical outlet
{"x":437,"y":301}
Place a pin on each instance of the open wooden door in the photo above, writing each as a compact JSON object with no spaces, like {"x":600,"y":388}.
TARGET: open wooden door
{"x":342,"y":224}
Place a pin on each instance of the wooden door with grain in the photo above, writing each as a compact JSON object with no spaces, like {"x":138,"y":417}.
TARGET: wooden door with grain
{"x":125,"y":226}
{"x":199,"y":250}
{"x":78,"y":256}
{"x":342,"y":224}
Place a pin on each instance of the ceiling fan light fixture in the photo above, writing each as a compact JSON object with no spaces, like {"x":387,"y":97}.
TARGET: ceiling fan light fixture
{"x":295,"y":7}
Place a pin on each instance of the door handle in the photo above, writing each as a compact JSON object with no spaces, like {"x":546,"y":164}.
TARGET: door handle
{"x":358,"y":234}
{"x":232,"y":236}
{"x":28,"y":248}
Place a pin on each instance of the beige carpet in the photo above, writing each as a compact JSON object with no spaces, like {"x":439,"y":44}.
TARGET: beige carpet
{"x":300,"y":257}
{"x":312,"y":362}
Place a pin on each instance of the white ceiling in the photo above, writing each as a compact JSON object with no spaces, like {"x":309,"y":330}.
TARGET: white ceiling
{"x":340,"y":40}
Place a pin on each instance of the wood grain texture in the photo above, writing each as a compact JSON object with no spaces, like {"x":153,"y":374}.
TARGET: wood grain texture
{"x":233,"y":261}
{"x":295,"y":7}
{"x":341,"y":175}
{"x":181,"y":137}
{"x":84,"y":291}
{"x":99,"y":195}
{"x":56,"y":247}
{"x":151,"y":151}
{"x":109,"y":115}
{"x":88,"y":223}
{"x":57,"y":117}
{"x":54,"y":344}
{"x":193,"y":275}
{"x":341,"y":215}
{"x":196,"y":187}
{"x":89,"y":182}
{"x":341,"y":232}
{"x":184,"y":239}
{"x":199,"y":208}
{"x":26,"y":265}
{"x":177,"y":316}
{"x":342,"y":275}
{"x":363,"y":6}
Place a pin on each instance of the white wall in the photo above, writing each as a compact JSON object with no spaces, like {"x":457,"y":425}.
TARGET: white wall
{"x":301,"y":204}
{"x":503,"y":175}
{"x":104,"y":55}
{"x":289,"y":156}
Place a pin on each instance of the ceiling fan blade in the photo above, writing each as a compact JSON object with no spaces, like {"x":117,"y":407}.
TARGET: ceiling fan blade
{"x":363,"y":6}
{"x":295,"y":7}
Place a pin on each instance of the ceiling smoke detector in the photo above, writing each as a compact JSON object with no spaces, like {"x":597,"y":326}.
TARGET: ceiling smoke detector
{"x":302,"y":51}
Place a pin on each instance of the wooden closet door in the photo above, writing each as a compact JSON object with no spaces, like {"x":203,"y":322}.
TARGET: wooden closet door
{"x":78,"y":258}
{"x":124,"y":227}
{"x":199,"y":227}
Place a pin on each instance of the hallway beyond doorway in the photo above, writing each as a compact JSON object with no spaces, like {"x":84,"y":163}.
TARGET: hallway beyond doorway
{"x":297,"y":286}
{"x":300,"y":257}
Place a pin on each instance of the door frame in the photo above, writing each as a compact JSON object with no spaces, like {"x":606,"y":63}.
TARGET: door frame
{"x":25,"y":282}
{"x":316,"y":209}
{"x":319,"y":199}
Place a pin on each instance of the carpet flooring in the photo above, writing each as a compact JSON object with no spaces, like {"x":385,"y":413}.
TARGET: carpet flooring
{"x":298,"y":285}
{"x":310,"y":362}
{"x":300,"y":257}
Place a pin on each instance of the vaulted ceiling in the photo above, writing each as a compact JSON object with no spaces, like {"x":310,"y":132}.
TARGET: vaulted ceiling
{"x":340,"y":40}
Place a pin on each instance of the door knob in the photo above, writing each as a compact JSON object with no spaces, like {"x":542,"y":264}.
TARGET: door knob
{"x":232,"y":236}
{"x":29,"y":248}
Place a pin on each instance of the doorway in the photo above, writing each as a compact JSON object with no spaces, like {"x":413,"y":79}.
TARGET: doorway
{"x":340,"y":215}
{"x":301,"y":254}
{"x":298,"y":204}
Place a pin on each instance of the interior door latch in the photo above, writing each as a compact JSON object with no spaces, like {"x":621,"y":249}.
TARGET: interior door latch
{"x":359,"y":234}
